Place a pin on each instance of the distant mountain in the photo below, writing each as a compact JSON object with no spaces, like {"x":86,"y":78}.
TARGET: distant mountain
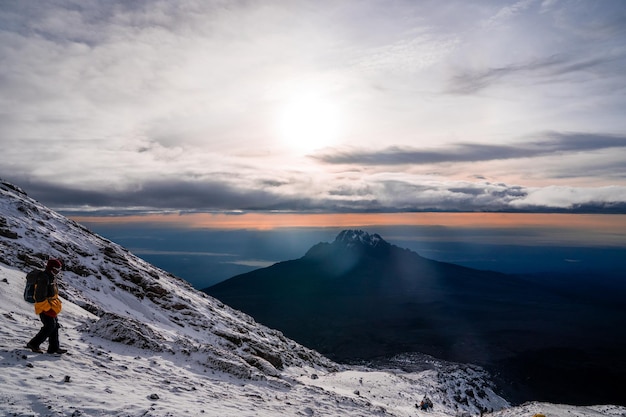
{"x":360,"y":297}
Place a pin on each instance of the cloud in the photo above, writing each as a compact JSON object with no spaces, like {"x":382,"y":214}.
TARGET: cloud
{"x":552,"y":68}
{"x":409,"y":56}
{"x":602,"y":199}
{"x":377,"y":193}
{"x":508,"y":12}
{"x":176,"y":72}
{"x":161,"y":195}
{"x":533,"y":43}
{"x":552,"y":143}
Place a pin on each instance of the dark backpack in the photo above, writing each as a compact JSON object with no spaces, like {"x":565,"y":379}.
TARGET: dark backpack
{"x":29,"y":290}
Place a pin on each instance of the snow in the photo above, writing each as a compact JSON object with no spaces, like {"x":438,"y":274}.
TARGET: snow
{"x":144,"y":343}
{"x":352,"y":238}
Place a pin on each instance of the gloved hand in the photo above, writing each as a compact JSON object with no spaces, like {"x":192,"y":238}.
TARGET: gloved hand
{"x":50,"y":313}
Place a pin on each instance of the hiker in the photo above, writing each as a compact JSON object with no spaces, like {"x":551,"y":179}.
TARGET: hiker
{"x":426,"y":404}
{"x":47,"y":306}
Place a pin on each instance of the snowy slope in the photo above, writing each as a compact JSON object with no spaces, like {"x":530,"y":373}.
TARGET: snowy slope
{"x":145,"y":343}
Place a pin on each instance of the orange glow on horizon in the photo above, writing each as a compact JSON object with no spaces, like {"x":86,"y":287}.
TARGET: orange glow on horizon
{"x":269,"y":221}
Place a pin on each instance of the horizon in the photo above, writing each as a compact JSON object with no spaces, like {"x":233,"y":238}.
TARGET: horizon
{"x":207,"y":248}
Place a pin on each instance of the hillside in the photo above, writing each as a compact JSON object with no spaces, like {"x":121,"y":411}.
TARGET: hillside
{"x":145,"y":343}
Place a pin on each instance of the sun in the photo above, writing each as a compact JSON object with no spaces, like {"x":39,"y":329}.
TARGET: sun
{"x":308,"y":122}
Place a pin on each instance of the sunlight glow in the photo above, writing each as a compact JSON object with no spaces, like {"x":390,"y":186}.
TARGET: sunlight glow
{"x":307,"y":122}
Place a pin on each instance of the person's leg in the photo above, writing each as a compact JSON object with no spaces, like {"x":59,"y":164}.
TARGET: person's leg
{"x":53,"y":339}
{"x":49,"y":327}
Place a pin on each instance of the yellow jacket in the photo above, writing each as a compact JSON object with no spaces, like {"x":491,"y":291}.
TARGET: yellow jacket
{"x":52,"y":303}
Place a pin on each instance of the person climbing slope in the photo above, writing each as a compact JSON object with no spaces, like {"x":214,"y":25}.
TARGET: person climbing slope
{"x":47,"y":306}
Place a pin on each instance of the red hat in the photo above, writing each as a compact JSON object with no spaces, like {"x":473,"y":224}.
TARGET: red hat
{"x":54,"y":266}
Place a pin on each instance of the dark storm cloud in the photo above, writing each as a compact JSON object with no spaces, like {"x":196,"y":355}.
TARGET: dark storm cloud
{"x":193,"y":196}
{"x":188,"y":196}
{"x":552,"y":143}
{"x":175,"y":195}
{"x":375,"y":196}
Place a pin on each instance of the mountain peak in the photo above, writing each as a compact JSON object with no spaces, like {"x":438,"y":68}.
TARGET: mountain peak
{"x":352,"y":238}
{"x":355,"y":242}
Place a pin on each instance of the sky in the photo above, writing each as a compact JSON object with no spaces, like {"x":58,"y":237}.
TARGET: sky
{"x":315,"y":106}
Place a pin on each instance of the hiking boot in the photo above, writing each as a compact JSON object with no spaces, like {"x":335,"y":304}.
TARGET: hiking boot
{"x":58,"y":351}
{"x":34,"y":348}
